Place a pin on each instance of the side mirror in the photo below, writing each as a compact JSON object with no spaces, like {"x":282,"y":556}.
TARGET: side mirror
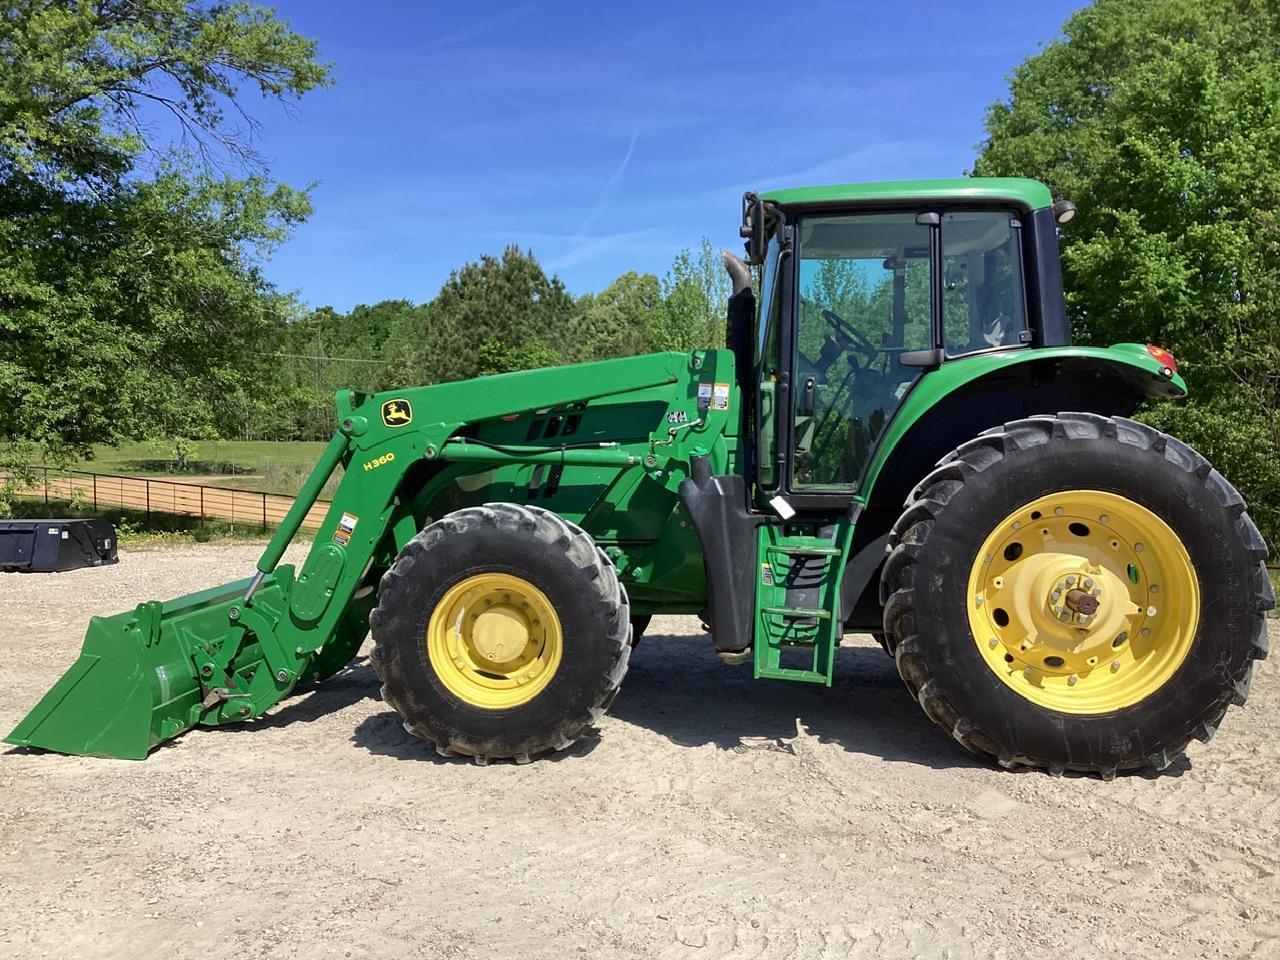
{"x":922,"y":358}
{"x":752,"y":228}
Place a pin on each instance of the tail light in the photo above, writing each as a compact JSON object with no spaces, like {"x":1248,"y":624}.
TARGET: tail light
{"x":1163,"y":356}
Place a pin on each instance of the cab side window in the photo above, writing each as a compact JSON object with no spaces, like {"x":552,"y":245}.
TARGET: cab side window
{"x":983,"y":303}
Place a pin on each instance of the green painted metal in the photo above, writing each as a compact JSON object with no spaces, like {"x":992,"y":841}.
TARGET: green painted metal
{"x":1029,"y":194}
{"x":605,"y":445}
{"x":1144,"y":372}
{"x":292,"y":523}
{"x":794,"y":641}
{"x":618,"y":434}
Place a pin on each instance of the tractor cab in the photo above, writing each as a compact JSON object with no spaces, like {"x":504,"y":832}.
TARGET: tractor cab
{"x":876,"y":302}
{"x":862,"y":293}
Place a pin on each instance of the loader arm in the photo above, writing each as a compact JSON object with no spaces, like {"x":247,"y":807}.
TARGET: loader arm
{"x":230,"y":653}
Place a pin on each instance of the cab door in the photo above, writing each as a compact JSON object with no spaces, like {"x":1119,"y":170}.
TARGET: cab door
{"x":864,"y":296}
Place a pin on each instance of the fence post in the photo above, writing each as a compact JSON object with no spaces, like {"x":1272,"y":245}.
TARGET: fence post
{"x":147,"y":486}
{"x":264,"y":512}
{"x":202,"y":504}
{"x":95,"y":493}
{"x":46,"y":486}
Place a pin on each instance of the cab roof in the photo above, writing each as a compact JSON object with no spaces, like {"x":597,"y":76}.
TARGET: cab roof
{"x":1020,"y":191}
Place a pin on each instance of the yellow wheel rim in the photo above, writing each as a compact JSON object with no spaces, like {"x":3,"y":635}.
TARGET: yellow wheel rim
{"x":1083,"y":602}
{"x":494,"y":641}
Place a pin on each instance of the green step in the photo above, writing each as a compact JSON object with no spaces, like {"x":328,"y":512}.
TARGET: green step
{"x":806,"y":551}
{"x":797,"y":613}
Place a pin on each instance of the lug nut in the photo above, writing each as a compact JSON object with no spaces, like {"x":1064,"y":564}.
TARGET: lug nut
{"x":1115,"y":665}
{"x":993,"y":643}
{"x":1073,"y":680}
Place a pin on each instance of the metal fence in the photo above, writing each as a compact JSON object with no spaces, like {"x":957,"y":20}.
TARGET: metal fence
{"x":146,"y":495}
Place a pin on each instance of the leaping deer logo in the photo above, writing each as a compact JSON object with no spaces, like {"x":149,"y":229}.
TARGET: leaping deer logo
{"x":397,"y":413}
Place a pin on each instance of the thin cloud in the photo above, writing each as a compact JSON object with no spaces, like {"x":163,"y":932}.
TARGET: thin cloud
{"x":610,"y":189}
{"x":846,"y":168}
{"x":582,"y":251}
{"x":479,"y":29}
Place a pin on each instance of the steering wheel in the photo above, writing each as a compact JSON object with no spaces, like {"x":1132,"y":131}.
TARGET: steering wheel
{"x":852,"y":336}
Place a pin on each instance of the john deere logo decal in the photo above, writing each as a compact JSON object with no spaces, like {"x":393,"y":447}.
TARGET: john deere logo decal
{"x":397,"y":413}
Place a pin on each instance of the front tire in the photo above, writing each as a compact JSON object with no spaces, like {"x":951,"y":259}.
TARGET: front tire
{"x":501,"y":632}
{"x":999,"y":638}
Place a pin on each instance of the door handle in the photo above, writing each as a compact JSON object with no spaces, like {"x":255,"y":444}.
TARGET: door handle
{"x":808,"y":397}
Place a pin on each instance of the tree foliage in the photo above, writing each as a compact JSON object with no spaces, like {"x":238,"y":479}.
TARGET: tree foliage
{"x":131,"y":298}
{"x":77,"y":81}
{"x":1161,"y":120}
{"x":506,"y":303}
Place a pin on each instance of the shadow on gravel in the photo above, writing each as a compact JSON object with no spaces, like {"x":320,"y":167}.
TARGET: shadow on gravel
{"x":384,"y":735}
{"x":678,"y":687}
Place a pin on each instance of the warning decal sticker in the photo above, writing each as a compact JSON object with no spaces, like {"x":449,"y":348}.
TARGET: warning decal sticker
{"x":720,"y":397}
{"x":704,"y":396}
{"x":346,"y":527}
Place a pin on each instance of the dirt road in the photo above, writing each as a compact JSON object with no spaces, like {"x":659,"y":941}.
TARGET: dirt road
{"x":712,"y":816}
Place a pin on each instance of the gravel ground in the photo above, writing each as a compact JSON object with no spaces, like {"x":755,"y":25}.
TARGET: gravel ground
{"x":709,"y":816}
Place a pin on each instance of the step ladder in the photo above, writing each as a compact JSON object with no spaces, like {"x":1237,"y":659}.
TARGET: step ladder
{"x":798,"y":624}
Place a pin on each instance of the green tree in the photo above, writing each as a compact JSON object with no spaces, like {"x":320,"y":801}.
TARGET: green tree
{"x":1161,"y":120}
{"x":616,"y":321}
{"x":695,"y":293}
{"x":131,"y":298}
{"x":507,"y":303}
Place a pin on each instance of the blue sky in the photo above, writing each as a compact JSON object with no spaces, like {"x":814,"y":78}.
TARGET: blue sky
{"x":607,"y":136}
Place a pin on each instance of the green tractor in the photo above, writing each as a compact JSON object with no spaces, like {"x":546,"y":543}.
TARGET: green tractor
{"x":899,"y":439}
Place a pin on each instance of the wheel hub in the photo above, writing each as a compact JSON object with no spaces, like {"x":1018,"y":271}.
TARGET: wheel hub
{"x":494,"y":640}
{"x":1064,"y":601}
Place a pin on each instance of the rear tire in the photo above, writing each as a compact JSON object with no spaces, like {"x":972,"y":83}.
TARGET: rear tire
{"x":545,"y":588}
{"x":930,"y":607}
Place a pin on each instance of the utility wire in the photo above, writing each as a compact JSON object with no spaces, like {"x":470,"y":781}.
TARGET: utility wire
{"x":307,"y":356}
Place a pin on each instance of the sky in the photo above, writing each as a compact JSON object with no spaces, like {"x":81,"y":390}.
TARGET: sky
{"x":605,"y":137}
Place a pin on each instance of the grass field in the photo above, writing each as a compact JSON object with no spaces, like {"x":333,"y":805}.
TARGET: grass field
{"x":265,"y":465}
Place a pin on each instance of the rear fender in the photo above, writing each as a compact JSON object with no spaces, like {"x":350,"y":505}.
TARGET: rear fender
{"x":964,"y":397}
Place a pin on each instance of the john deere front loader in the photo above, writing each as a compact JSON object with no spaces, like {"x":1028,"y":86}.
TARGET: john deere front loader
{"x":900,"y":438}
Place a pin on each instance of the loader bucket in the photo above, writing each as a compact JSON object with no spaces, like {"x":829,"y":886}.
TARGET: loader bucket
{"x":208,"y":658}
{"x":135,"y":683}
